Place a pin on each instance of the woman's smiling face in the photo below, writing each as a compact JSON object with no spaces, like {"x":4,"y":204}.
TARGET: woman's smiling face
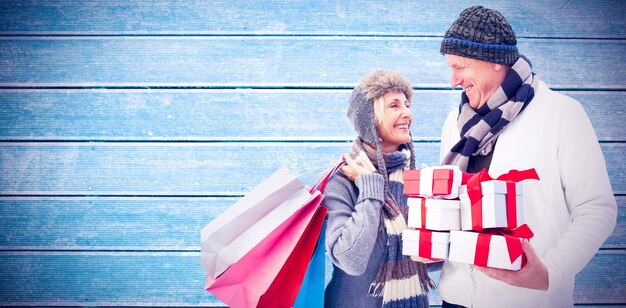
{"x":394,"y":129}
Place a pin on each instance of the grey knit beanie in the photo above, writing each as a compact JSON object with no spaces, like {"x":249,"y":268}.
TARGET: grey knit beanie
{"x":482,"y":34}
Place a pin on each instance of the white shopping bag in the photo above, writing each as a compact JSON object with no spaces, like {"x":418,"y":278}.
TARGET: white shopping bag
{"x":244,"y":224}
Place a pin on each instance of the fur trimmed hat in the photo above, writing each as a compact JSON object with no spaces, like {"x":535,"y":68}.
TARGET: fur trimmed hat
{"x":361,"y":110}
{"x":361,"y":104}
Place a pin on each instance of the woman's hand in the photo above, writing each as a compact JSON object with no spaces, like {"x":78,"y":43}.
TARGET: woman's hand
{"x":425,"y":260}
{"x":353,"y":168}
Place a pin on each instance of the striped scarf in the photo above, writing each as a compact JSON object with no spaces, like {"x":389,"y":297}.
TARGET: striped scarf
{"x":400,"y":280}
{"x":480,"y":128}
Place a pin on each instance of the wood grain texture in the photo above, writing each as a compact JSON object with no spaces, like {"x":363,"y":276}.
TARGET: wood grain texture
{"x":181,"y":169}
{"x":578,"y":19}
{"x":134,"y":223}
{"x":107,"y":223}
{"x":176,"y":279}
{"x":235,"y":115}
{"x":126,"y":126}
{"x":279,"y":62}
{"x":162,"y":168}
{"x":605,"y":274}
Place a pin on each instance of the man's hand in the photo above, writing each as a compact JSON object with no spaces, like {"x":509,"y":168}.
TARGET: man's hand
{"x":534,"y":275}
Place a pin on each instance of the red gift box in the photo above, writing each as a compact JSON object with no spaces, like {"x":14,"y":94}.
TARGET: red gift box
{"x":442,"y":182}
{"x":411,"y":182}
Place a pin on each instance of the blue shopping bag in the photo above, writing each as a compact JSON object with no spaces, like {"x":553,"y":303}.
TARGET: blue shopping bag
{"x":311,"y":292}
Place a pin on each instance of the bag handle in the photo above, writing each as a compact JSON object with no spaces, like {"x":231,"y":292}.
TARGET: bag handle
{"x":322,"y":184}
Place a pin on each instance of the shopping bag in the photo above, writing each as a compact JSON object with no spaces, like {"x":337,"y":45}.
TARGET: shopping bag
{"x":242,"y":226}
{"x":311,"y":292}
{"x":245,"y":281}
{"x":271,"y":273}
{"x":284,"y":289}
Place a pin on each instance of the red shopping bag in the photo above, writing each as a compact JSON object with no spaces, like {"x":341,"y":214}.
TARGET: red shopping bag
{"x":311,"y":294}
{"x":271,"y":273}
{"x":284,"y":289}
{"x":244,"y":282}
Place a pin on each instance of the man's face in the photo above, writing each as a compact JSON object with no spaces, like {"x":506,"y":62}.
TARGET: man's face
{"x":479,"y":79}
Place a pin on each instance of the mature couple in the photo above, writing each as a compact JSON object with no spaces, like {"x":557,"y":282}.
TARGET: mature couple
{"x":507,"y":119}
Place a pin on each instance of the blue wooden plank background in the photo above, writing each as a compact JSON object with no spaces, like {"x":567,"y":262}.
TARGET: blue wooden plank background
{"x":126,"y":126}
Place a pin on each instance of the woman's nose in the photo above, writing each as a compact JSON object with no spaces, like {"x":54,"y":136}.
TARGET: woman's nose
{"x":406,"y":112}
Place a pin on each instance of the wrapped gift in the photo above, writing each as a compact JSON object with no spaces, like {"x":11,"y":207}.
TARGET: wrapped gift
{"x":442,"y":181}
{"x":488,"y":203}
{"x":501,"y":206}
{"x":434,"y":214}
{"x":490,"y":250}
{"x":425,"y":243}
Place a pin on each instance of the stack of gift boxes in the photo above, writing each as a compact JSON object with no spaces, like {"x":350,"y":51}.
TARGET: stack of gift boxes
{"x":467,"y":218}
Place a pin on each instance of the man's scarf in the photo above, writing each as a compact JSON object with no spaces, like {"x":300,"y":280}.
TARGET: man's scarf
{"x":400,"y":280}
{"x":480,"y":128}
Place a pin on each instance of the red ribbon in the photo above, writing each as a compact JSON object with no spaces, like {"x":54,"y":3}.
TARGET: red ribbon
{"x":465,"y":177}
{"x":442,"y":181}
{"x":481,"y":256}
{"x":511,"y":205}
{"x":475,"y":194}
{"x":513,"y":244}
{"x":423,"y":209}
{"x":425,"y":244}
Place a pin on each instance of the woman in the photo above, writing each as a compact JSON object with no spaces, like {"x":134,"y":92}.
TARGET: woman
{"x":366,"y":207}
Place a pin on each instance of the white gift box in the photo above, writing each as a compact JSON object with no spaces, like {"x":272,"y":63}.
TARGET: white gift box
{"x":440,"y":242}
{"x":463,"y":245}
{"x":441,"y":214}
{"x":494,"y":206}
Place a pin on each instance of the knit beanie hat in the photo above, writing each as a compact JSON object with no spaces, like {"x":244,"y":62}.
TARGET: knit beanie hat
{"x":361,"y":107}
{"x":482,"y":34}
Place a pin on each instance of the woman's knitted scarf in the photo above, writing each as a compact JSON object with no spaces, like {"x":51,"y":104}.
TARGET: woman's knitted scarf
{"x":400,"y":280}
{"x":480,"y":128}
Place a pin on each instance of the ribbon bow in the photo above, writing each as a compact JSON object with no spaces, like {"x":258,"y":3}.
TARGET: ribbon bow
{"x":513,"y":244}
{"x":474,"y":192}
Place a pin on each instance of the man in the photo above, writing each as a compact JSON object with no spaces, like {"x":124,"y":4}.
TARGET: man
{"x":509,"y":119}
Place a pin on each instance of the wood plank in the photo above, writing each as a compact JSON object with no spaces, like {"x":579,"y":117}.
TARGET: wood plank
{"x":103,"y":279}
{"x":604,"y":275}
{"x":159,"y":168}
{"x":177,"y":279}
{"x":134,"y":223}
{"x":185,"y":169}
{"x":546,"y":19}
{"x":234,"y":114}
{"x":104,"y":223}
{"x":617,"y":240}
{"x":197,"y":61}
